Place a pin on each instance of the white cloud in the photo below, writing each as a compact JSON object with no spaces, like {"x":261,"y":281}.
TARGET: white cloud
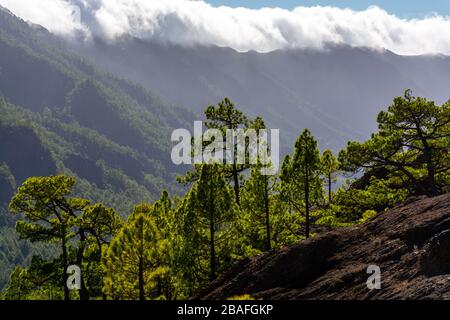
{"x":191,"y":22}
{"x":58,"y":16}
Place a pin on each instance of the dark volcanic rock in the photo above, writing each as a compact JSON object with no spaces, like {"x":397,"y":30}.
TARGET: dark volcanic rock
{"x":410,"y":244}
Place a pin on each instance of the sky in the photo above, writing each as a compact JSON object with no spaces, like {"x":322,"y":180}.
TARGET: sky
{"x":407,"y":27}
{"x":401,"y":8}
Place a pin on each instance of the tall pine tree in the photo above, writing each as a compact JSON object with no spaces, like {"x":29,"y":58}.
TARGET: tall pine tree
{"x":134,"y":260}
{"x":208,"y":215}
{"x":300,"y":177}
{"x":330,"y":166}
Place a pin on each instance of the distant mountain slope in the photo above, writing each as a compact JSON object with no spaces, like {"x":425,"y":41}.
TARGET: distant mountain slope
{"x":409,"y":243}
{"x":60,"y":114}
{"x":336,"y":92}
{"x":66,"y":93}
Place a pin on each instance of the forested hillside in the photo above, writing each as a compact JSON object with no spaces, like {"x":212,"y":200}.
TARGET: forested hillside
{"x":38,"y":76}
{"x":87,"y":180}
{"x":174,"y":247}
{"x":60,"y":114}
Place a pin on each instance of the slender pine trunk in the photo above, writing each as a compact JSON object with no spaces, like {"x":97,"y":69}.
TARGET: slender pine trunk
{"x":236,"y":183}
{"x":329,"y":188}
{"x":212,"y":247}
{"x":84,"y":294}
{"x":307,"y":201}
{"x":100,"y":253}
{"x":266,"y":205}
{"x":65,"y":264}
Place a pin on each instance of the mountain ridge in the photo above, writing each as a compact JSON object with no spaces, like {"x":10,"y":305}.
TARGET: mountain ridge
{"x":38,"y":75}
{"x":336,"y":92}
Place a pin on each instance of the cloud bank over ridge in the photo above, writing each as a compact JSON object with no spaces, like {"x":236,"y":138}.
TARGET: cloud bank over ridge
{"x":190,"y":22}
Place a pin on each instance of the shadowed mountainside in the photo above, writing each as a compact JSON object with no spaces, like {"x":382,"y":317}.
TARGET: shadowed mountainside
{"x":83,"y":119}
{"x":336,"y":92}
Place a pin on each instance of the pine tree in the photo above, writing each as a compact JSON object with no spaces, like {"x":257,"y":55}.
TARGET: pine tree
{"x":300,"y":177}
{"x":18,"y":286}
{"x":226,"y":116}
{"x":330,"y":166}
{"x":100,"y":224}
{"x":166,"y":222}
{"x":133,"y":262}
{"x":49,"y":215}
{"x":256,"y":207}
{"x":411,"y":146}
{"x":208,"y":213}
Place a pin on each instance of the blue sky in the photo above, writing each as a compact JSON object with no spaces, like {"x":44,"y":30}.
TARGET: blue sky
{"x":401,"y":8}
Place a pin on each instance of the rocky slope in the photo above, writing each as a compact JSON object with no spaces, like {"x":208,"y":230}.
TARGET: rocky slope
{"x":410,"y":244}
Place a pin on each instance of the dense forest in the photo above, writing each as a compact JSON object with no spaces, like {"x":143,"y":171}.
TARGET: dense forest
{"x":86,"y":177}
{"x":60,"y":114}
{"x":176,"y":245}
